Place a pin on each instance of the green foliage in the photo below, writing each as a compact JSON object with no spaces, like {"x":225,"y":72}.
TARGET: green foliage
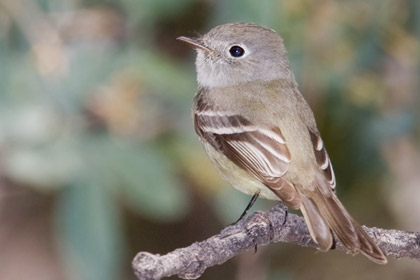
{"x":147,"y":182}
{"x":91,"y":232}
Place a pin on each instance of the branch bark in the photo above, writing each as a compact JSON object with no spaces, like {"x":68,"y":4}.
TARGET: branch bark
{"x":261,"y":228}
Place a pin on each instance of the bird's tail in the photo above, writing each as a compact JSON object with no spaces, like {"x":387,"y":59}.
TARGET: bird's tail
{"x":324,"y":213}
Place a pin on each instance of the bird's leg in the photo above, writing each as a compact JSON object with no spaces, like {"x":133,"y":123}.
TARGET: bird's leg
{"x":286,"y":213}
{"x":251,"y":202}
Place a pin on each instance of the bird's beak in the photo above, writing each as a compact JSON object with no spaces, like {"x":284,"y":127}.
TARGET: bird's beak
{"x":195,"y":43}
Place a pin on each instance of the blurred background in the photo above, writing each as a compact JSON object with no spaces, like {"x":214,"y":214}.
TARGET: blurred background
{"x":98,"y":156}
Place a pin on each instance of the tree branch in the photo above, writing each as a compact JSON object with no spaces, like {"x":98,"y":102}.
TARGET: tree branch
{"x":260,"y":228}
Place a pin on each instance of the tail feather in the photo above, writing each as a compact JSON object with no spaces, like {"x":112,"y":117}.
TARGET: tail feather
{"x":370,"y":249}
{"x":324,"y":212}
{"x":319,"y":230}
{"x":338,"y":219}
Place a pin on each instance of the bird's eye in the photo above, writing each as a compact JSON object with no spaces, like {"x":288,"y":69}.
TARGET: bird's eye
{"x":236,"y":51}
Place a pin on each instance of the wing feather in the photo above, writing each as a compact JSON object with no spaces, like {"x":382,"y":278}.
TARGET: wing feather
{"x":322,"y":158}
{"x":261,"y":151}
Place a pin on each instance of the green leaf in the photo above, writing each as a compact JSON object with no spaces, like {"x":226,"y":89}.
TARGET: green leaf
{"x":148,"y":183}
{"x":149,"y":11}
{"x":90,"y":232}
{"x":160,"y":73}
{"x":46,"y":166}
{"x":138,"y":172}
{"x":261,"y":12}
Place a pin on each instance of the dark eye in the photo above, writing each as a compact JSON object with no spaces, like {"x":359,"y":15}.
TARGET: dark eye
{"x":236,"y":51}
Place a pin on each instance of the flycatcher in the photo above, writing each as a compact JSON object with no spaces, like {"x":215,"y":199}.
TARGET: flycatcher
{"x":261,"y":134}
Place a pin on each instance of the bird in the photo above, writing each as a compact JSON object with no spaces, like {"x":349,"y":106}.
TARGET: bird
{"x":261,"y":134}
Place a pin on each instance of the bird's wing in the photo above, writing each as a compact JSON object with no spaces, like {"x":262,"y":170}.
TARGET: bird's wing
{"x":322,"y":158}
{"x":262,"y":152}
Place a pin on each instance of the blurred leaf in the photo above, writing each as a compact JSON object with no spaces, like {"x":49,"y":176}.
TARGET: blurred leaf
{"x":391,"y":126}
{"x":26,"y":124}
{"x":43,"y":167}
{"x":139,"y":173}
{"x":90,"y":66}
{"x":261,"y":12}
{"x":90,"y":232}
{"x":39,"y":151}
{"x":148,"y":184}
{"x":161,"y":74}
{"x":152,"y":10}
{"x":23,"y":84}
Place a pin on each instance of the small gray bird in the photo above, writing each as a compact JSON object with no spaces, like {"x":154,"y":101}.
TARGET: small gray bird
{"x":261,"y":134}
